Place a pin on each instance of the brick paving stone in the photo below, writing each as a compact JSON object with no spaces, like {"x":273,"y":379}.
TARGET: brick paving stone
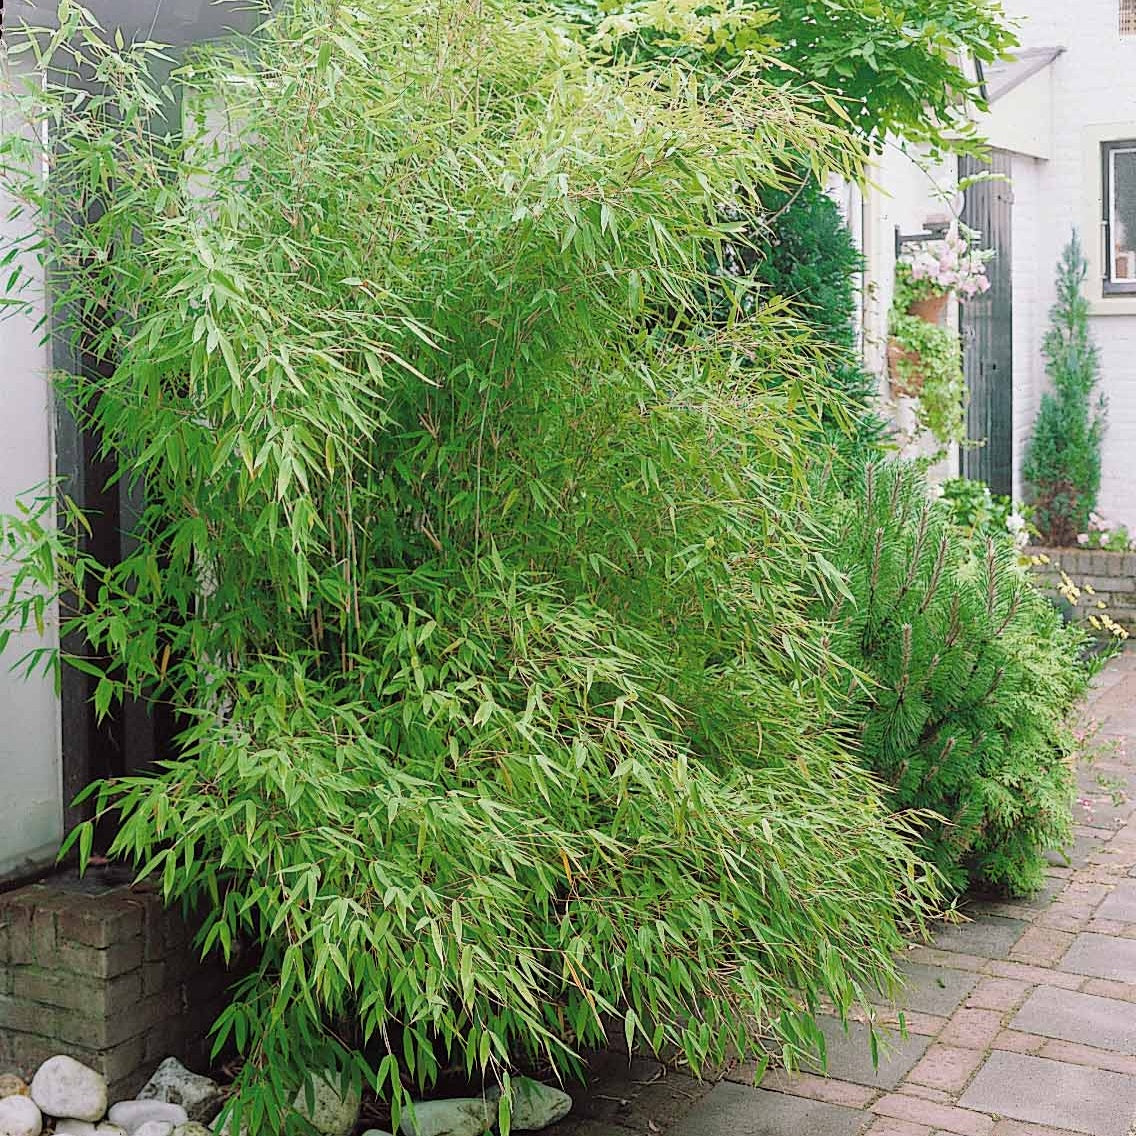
{"x":972,"y":1029}
{"x":1107,"y":927}
{"x":1041,"y":946}
{"x":1097,"y":810}
{"x":1106,"y":1023}
{"x":731,"y":1110}
{"x":1103,"y":874}
{"x":946,"y":1067}
{"x":657,"y":1100}
{"x":1035,"y":975}
{"x":1077,"y":1054}
{"x":1085,"y":891}
{"x":998,"y":994}
{"x":1102,"y":956}
{"x":950,"y":1119}
{"x":1108,"y":988}
{"x":1040,"y":1091}
{"x":1078,"y":856}
{"x":895,"y":1020}
{"x":956,"y":959}
{"x":1049,"y":891}
{"x":1009,"y":908}
{"x":1120,"y":905}
{"x":1017,"y":1128}
{"x":850,"y":1054}
{"x":815,"y":1088}
{"x":925,"y":1092}
{"x":1016,"y":1042}
{"x":888,"y":1126}
{"x":1067,"y":917}
{"x":934,"y":989}
{"x":926,"y":1025}
{"x":991,"y":936}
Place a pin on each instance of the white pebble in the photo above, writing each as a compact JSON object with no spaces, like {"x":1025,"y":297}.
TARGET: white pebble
{"x":64,"y":1087}
{"x":133,"y":1114}
{"x":19,"y":1117}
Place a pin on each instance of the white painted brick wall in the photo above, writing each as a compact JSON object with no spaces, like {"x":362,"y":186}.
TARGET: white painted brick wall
{"x":1031,"y":302}
{"x":31,"y":806}
{"x":1093,"y":85}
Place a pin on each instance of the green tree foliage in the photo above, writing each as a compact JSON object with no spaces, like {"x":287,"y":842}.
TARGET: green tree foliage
{"x":808,"y":256}
{"x":894,"y":66}
{"x":1063,"y":464}
{"x":974,"y":679}
{"x":477,"y":565}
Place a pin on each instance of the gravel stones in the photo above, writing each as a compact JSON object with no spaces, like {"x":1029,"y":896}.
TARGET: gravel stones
{"x":13,"y":1086}
{"x":133,"y":1114}
{"x":64,"y":1087}
{"x":154,"y":1128}
{"x":86,"y":1128}
{"x":463,"y":1116}
{"x":172,"y":1082}
{"x":536,"y":1105}
{"x":331,"y":1112}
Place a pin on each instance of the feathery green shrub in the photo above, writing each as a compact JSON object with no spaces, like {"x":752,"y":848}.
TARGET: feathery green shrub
{"x":808,"y":256}
{"x":480,"y":568}
{"x":975,"y":678}
{"x":1063,"y":462}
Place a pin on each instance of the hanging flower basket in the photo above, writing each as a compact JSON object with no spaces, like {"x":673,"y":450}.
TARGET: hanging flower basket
{"x":904,"y":370}
{"x":932,"y":309}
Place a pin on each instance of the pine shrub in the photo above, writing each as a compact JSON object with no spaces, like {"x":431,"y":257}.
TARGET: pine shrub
{"x":973,"y":680}
{"x":1063,"y":464}
{"x":479,"y":568}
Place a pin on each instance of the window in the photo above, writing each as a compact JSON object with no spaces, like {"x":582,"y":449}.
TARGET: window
{"x":1119,"y":177}
{"x":1128,"y":17}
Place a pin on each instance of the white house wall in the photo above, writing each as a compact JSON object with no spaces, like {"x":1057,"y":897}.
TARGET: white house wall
{"x":1094,"y":99}
{"x":906,"y":192}
{"x":1031,"y":272}
{"x":1023,"y":119}
{"x":31,"y":806}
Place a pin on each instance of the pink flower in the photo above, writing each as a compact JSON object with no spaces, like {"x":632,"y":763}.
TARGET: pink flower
{"x":1082,"y":538}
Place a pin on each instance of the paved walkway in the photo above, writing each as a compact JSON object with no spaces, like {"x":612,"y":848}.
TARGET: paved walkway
{"x":1021,"y":1023}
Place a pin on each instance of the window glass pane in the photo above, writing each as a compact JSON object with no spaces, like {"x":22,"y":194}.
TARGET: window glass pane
{"x":1124,"y":215}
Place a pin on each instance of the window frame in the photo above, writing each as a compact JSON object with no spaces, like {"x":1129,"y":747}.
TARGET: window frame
{"x":1109,"y":286}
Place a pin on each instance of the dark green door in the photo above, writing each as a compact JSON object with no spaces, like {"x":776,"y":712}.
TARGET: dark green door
{"x":987,"y":329}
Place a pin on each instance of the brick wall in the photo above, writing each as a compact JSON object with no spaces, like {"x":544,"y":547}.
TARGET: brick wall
{"x":1110,"y":575}
{"x":104,"y":974}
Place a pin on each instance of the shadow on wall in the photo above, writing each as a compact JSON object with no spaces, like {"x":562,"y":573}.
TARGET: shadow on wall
{"x":175,"y":22}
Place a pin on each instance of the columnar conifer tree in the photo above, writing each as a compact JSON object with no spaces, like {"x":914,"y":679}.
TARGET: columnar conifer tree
{"x":1063,"y":464}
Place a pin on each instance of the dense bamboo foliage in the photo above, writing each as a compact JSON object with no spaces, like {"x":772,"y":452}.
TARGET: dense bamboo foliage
{"x":479,"y":569}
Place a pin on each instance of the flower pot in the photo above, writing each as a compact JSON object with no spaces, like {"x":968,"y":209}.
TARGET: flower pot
{"x":903,"y":371}
{"x":930,"y":310}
